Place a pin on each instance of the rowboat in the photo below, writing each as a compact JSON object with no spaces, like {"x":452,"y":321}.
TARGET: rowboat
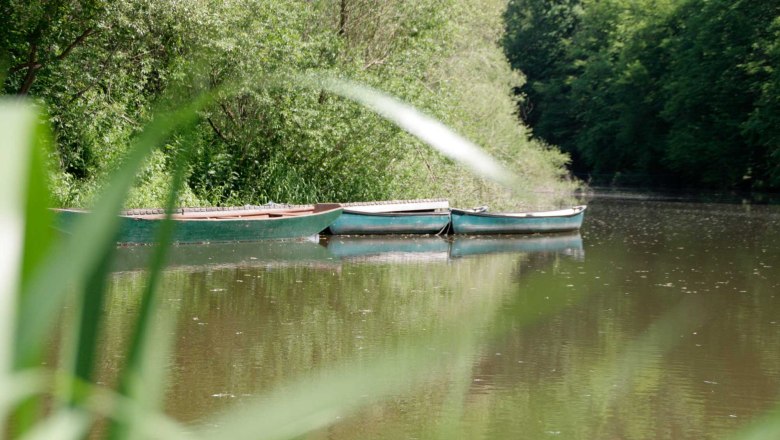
{"x":479,"y":222}
{"x":200,"y":225}
{"x":394,"y":217}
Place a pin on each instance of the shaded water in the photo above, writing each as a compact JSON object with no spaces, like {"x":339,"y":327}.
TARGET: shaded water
{"x":661,"y":320}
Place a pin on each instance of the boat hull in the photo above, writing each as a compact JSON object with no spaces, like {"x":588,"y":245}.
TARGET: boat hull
{"x":133,"y":230}
{"x":466,"y":222}
{"x":364,"y":223}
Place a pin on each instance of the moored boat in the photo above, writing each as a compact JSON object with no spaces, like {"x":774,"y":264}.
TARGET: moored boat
{"x":480,"y":222}
{"x":200,"y":225}
{"x":394,"y":217}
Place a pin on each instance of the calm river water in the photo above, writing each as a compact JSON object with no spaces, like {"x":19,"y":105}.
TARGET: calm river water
{"x":660,"y":320}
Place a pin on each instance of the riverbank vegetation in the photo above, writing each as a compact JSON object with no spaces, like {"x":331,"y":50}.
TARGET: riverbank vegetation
{"x":101,"y":69}
{"x":677,"y":93}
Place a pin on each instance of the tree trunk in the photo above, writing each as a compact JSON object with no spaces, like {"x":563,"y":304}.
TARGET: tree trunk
{"x":342,"y":18}
{"x":32,"y":70}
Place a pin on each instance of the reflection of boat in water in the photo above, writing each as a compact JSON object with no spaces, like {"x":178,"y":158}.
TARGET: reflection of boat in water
{"x":568,"y":244}
{"x":277,"y":253}
{"x":389,"y":248}
{"x":400,"y":248}
{"x":331,"y":251}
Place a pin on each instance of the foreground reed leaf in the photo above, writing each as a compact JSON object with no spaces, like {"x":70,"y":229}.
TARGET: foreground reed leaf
{"x":16,"y":134}
{"x":147,"y":423}
{"x":143,"y":377}
{"x":444,"y":350}
{"x":74,"y":258}
{"x":424,"y":127}
{"x":64,"y":424}
{"x":765,"y":428}
{"x":18,"y":388}
{"x":25,"y":226}
{"x":319,"y":401}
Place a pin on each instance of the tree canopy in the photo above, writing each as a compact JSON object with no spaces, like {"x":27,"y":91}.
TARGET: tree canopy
{"x":102,"y":68}
{"x":667,"y":92}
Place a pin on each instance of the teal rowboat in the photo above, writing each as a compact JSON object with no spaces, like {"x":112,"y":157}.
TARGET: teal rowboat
{"x":361,"y":223}
{"x":474,"y":222}
{"x":397,"y":217}
{"x":201,"y":225}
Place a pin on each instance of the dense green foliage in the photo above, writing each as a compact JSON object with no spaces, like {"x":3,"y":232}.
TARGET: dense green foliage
{"x":676,"y":92}
{"x":102,"y":67}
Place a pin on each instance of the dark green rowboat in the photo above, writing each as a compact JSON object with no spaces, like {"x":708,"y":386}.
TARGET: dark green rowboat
{"x":396,"y":217}
{"x":219,"y":225}
{"x":474,"y":222}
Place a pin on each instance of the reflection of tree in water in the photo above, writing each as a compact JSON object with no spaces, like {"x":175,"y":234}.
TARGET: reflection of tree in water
{"x":597,"y":348}
{"x":543,"y":261}
{"x":244,"y":330}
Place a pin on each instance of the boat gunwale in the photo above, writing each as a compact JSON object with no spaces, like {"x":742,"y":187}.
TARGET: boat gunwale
{"x":435,"y":201}
{"x":399,"y":206}
{"x":236,"y":217}
{"x":228,"y":215}
{"x":398,"y":214}
{"x":577,"y":210}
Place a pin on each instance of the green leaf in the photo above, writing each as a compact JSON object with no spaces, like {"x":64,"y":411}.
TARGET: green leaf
{"x":64,"y":424}
{"x":24,"y":228}
{"x":69,"y":263}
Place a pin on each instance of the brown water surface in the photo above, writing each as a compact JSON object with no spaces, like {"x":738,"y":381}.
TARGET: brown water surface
{"x":660,"y":320}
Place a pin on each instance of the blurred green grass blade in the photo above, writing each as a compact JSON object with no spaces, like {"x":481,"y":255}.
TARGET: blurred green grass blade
{"x":64,"y":424}
{"x":144,"y":385}
{"x":24,"y":224}
{"x":316,"y":402}
{"x":16,"y":135}
{"x":106,"y":403}
{"x":69,"y":262}
{"x":765,"y":428}
{"x":148,"y":424}
{"x":141,"y":333}
{"x":450,"y":420}
{"x":146,"y":360}
{"x":422,"y":126}
{"x":91,"y":311}
{"x":19,"y":387}
{"x":38,"y":233}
